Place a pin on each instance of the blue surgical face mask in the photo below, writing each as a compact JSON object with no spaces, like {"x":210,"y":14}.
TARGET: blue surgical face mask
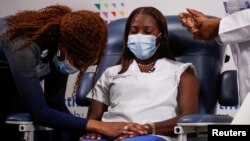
{"x":142,"y":46}
{"x":64,"y":66}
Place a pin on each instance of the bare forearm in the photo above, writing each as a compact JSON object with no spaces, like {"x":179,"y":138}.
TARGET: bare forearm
{"x":165,"y":127}
{"x":96,"y":110}
{"x":93,"y":126}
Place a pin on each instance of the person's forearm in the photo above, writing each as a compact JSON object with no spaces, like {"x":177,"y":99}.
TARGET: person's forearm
{"x":166,"y":127}
{"x":215,"y":23}
{"x":96,"y":110}
{"x":93,"y":126}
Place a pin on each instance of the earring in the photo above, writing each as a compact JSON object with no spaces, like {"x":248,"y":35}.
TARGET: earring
{"x":58,"y":53}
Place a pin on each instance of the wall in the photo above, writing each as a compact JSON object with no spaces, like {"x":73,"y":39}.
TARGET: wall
{"x":114,"y":9}
{"x":212,"y":7}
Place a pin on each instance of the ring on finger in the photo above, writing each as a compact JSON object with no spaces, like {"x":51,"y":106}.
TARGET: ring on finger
{"x":125,"y":128}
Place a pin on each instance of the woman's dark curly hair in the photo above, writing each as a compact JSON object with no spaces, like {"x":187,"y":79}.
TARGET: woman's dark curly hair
{"x":83,"y":33}
{"x":40,"y":26}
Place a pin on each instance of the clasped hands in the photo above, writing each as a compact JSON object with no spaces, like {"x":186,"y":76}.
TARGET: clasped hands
{"x":126,"y":130}
{"x":200,"y":25}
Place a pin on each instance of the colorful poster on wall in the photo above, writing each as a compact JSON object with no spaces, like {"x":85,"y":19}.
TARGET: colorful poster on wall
{"x":110,"y":9}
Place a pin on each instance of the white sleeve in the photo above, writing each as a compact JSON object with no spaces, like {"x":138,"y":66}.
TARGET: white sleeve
{"x":183,"y":68}
{"x":235,"y":28}
{"x":100,"y":92}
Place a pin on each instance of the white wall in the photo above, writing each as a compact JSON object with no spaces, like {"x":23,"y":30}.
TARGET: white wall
{"x":212,"y":7}
{"x":122,"y":9}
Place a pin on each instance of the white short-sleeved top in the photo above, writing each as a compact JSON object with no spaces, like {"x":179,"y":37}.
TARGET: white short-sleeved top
{"x":135,"y":96}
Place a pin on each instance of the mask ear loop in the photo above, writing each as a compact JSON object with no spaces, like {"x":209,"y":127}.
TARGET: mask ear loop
{"x":158,"y":35}
{"x":58,"y":53}
{"x":65,"y":58}
{"x":156,"y":39}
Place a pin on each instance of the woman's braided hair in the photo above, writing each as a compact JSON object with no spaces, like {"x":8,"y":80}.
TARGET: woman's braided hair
{"x":83,"y":32}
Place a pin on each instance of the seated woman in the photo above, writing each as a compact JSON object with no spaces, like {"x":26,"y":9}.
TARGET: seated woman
{"x":147,"y":86}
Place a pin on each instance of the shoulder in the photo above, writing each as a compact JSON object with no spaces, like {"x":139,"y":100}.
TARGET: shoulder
{"x":112,"y":70}
{"x":28,"y":57}
{"x":2,"y":25}
{"x":2,"y":30}
{"x":174,"y":65}
{"x":13,"y":46}
{"x":176,"y":68}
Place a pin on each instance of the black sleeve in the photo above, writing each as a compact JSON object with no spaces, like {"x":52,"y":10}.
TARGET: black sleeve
{"x":23,"y":67}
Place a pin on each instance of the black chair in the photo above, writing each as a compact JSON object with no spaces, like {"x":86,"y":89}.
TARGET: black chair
{"x":207,"y":57}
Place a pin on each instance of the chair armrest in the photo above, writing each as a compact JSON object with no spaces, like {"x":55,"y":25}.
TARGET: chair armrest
{"x":204,"y":118}
{"x":198,"y":123}
{"x":228,"y":92}
{"x":25,"y":123}
{"x":19,"y":118}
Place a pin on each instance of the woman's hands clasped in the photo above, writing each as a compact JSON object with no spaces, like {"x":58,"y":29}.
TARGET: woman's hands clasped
{"x":116,"y":130}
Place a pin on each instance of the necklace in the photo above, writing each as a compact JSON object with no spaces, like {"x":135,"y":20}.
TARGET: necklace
{"x":146,"y":65}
